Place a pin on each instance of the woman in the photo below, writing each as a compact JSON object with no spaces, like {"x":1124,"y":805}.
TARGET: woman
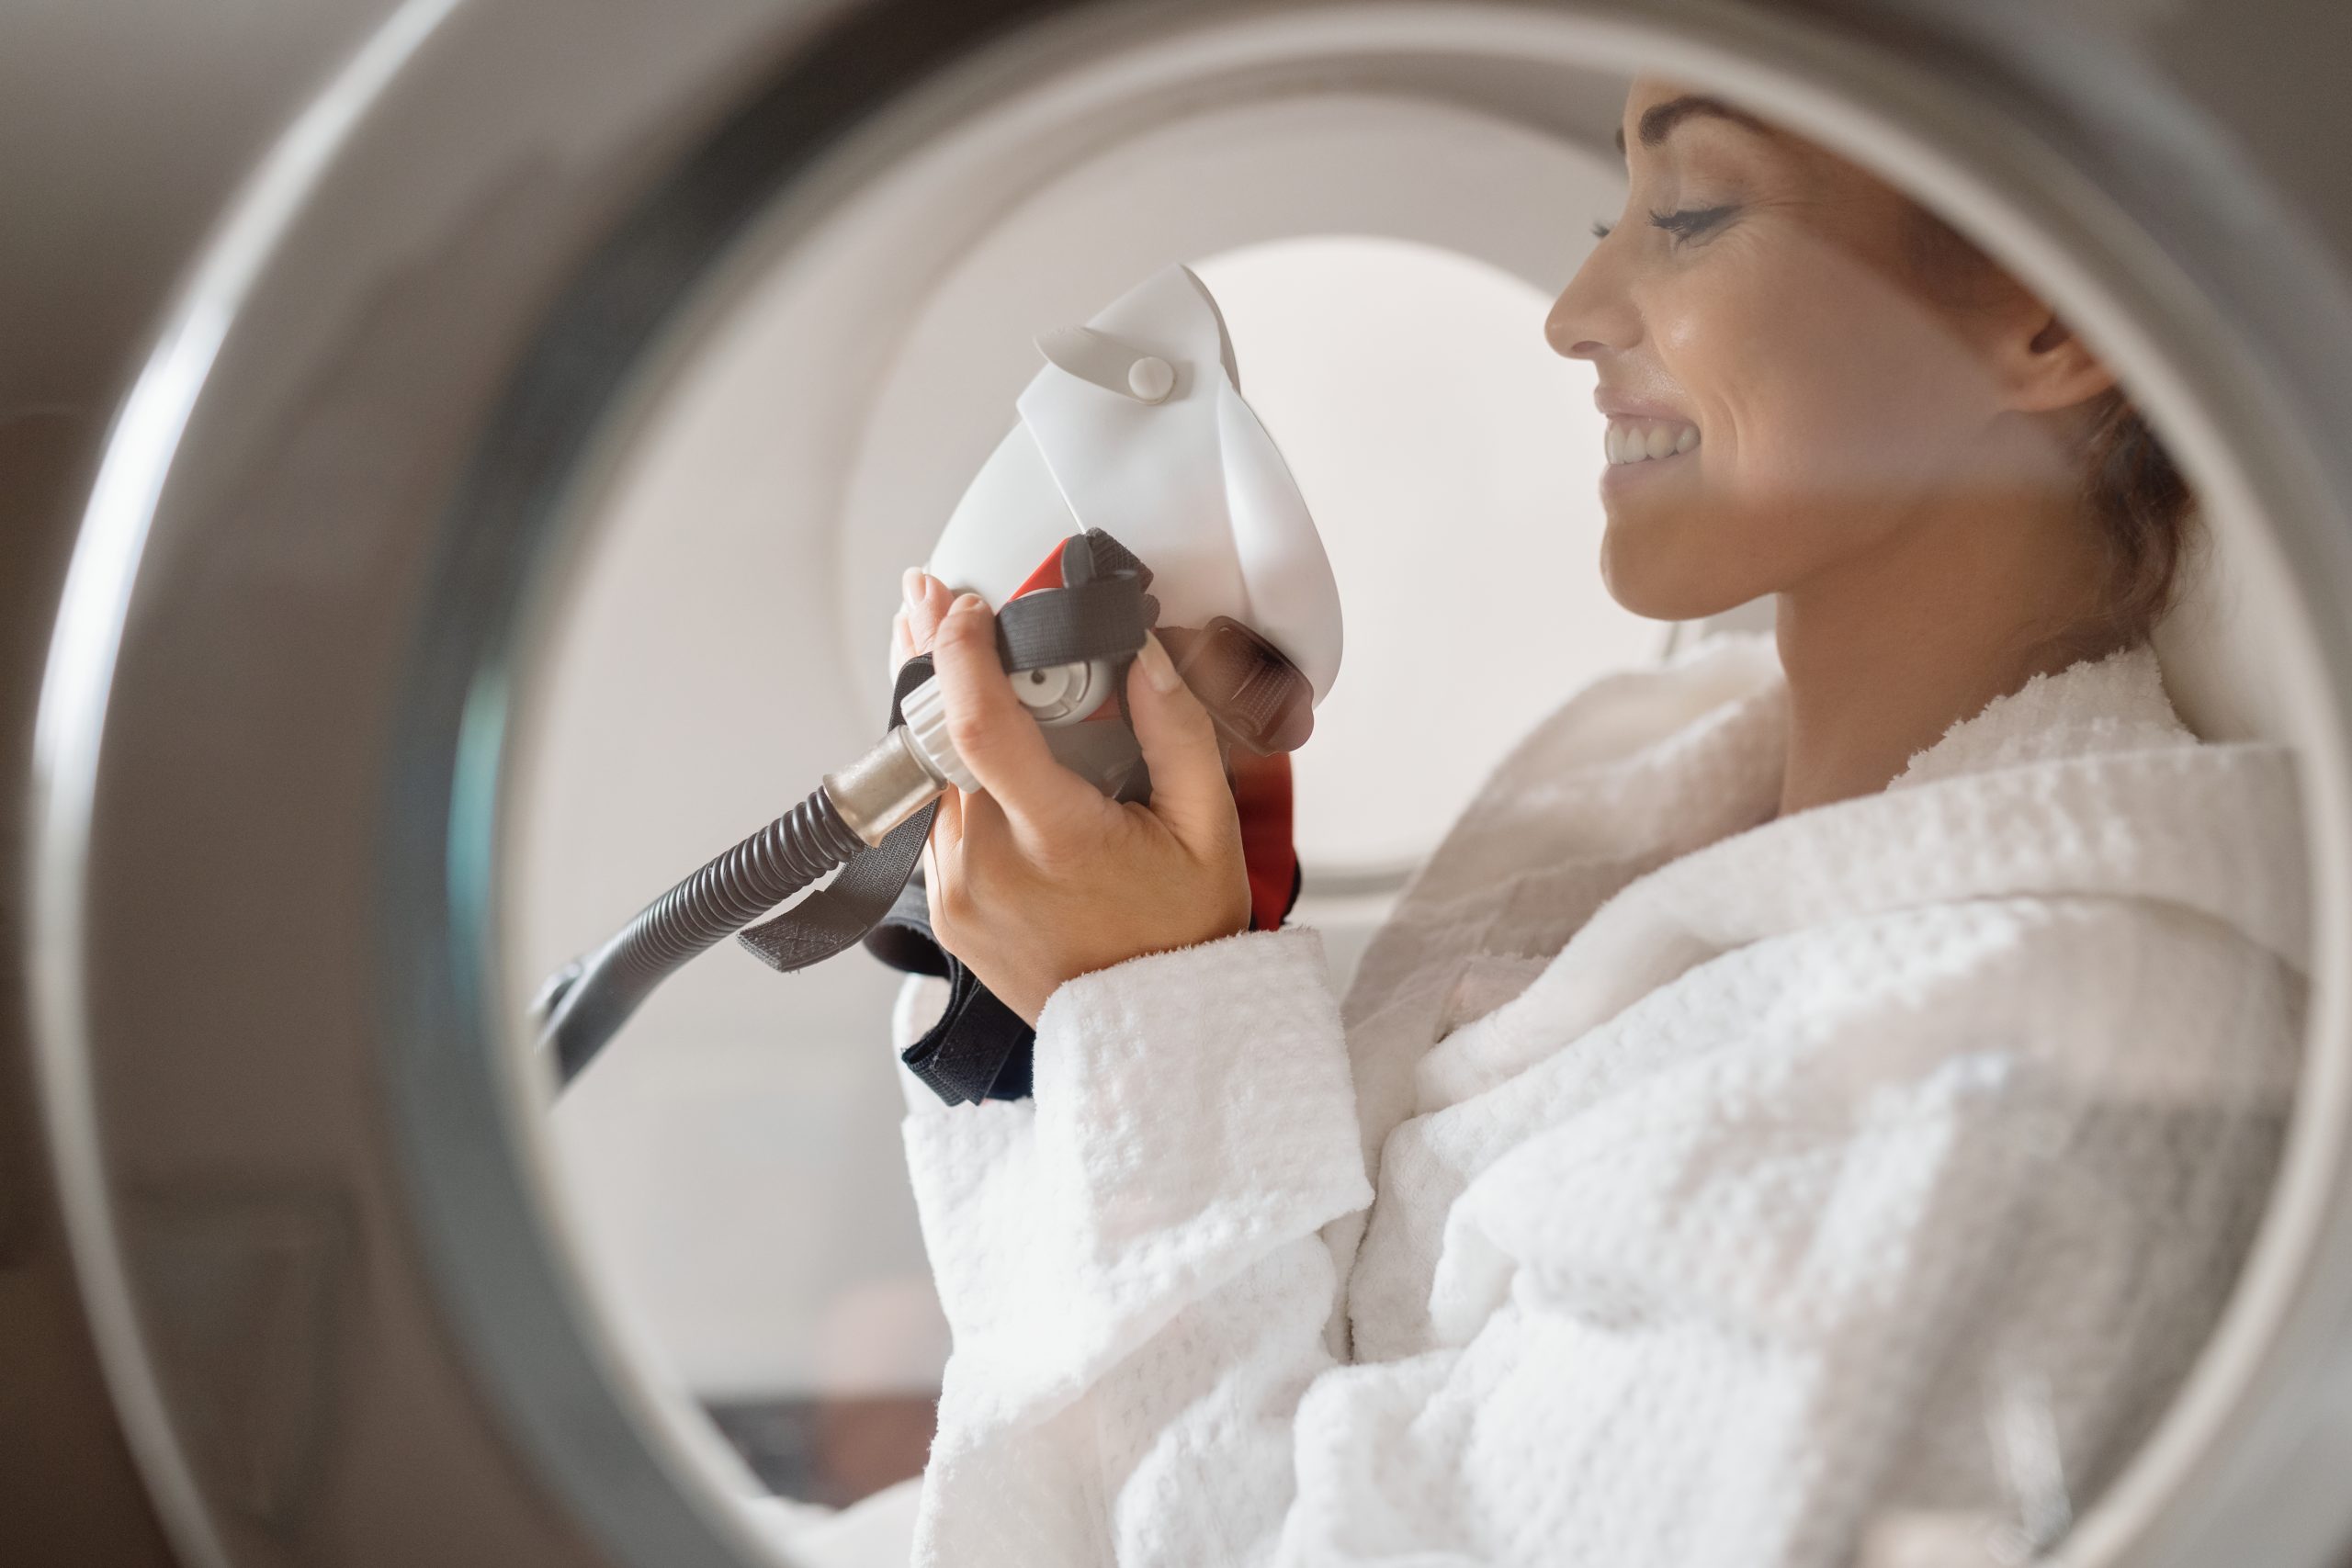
{"x":1810,"y":1107}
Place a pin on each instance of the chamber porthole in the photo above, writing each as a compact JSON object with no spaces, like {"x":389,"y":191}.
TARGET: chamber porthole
{"x":569,"y":638}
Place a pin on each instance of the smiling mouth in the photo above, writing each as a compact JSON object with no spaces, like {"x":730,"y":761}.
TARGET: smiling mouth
{"x":1647,"y":440}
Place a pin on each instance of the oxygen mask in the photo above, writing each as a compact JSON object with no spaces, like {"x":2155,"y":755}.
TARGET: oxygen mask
{"x":1136,"y":493}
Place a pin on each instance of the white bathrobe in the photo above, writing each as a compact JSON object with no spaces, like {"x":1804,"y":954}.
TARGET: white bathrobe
{"x":1677,"y":1186}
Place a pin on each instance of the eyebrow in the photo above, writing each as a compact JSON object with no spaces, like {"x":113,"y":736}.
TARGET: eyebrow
{"x":1659,"y":119}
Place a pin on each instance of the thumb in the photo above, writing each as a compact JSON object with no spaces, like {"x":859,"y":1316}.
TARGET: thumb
{"x":996,"y":735}
{"x":1188,"y":788}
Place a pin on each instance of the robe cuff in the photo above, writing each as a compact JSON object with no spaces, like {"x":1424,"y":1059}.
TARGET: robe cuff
{"x":1210,"y":1080}
{"x":1193,"y":1110}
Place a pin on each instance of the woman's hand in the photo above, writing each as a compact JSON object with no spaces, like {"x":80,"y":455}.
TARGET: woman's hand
{"x":1043,"y":878}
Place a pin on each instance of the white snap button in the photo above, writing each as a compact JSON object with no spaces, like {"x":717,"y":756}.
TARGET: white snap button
{"x":1151,"y":379}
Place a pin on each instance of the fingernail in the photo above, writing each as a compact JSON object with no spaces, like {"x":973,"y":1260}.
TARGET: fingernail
{"x":965,"y":604}
{"x":910,"y":586}
{"x":1158,"y":668}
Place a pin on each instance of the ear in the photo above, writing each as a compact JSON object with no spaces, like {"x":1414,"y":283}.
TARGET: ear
{"x":2043,"y":366}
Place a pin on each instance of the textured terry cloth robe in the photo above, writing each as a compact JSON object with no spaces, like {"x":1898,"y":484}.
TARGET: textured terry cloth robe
{"x":1678,"y":1185}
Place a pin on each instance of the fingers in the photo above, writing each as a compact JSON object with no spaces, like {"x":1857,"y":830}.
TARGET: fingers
{"x":998,"y":739}
{"x":911,"y":630}
{"x":947,"y":821}
{"x":927,"y":599}
{"x":1180,"y":745}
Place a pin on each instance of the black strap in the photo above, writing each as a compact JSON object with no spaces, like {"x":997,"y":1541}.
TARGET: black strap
{"x":1068,"y":624}
{"x":978,"y":1048}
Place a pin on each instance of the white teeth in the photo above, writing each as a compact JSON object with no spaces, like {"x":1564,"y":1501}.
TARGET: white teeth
{"x":1635,"y":442}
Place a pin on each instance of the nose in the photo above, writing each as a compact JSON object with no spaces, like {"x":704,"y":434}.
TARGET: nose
{"x":1595,"y":314}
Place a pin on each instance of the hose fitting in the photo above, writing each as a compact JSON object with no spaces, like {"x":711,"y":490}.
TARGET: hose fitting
{"x":904,"y":773}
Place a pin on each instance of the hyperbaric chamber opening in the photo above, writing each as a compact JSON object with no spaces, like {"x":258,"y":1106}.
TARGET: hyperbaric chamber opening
{"x":1384,"y":258}
{"x":569,"y":638}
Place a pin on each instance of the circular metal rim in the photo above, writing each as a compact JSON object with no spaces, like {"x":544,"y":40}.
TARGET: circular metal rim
{"x":70,"y":718}
{"x":2288,"y":319}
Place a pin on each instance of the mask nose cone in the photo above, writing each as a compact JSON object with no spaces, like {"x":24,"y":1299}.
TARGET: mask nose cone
{"x":1139,"y":420}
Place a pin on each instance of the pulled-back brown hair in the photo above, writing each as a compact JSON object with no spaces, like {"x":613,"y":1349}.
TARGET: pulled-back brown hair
{"x":2144,"y":510}
{"x":2131,"y":488}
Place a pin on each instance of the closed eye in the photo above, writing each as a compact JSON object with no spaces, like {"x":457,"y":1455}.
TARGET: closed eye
{"x":1690,"y":220}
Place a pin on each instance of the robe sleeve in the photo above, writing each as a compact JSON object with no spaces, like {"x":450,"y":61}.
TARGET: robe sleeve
{"x":1136,"y":1250}
{"x":1728,"y":1314}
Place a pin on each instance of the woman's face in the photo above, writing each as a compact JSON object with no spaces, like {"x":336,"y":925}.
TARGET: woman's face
{"x":1796,"y":400}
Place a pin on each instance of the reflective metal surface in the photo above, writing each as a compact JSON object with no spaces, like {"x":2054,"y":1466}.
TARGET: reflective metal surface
{"x":304,"y":414}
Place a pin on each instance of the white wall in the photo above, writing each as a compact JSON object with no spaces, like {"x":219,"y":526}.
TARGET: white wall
{"x":1451,"y":460}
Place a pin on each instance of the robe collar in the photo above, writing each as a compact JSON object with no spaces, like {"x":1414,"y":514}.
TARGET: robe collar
{"x":2081,"y":783}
